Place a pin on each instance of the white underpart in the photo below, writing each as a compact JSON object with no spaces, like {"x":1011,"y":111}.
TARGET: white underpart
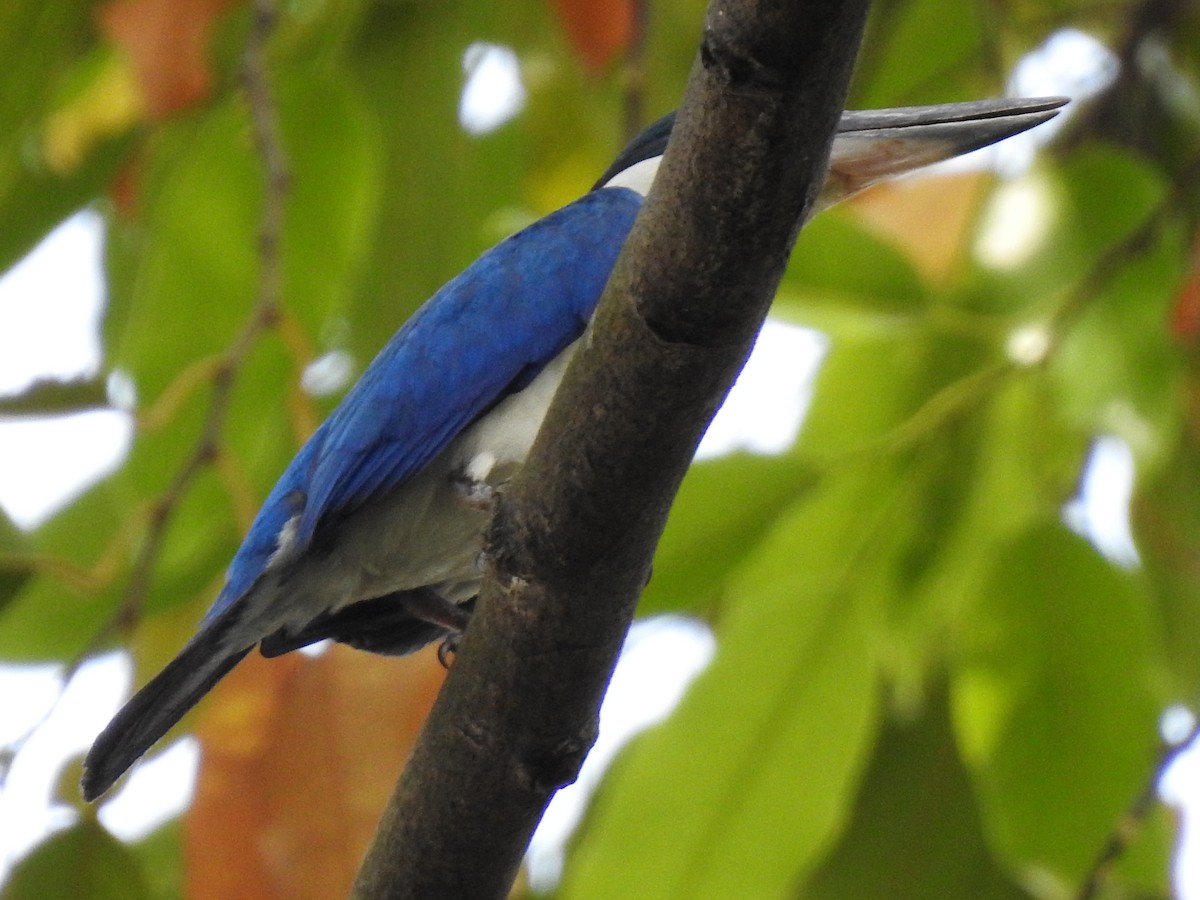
{"x":637,"y":177}
{"x":481,"y":466}
{"x":503,"y":437}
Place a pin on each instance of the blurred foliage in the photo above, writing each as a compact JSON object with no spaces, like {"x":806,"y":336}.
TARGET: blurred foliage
{"x":925,"y":686}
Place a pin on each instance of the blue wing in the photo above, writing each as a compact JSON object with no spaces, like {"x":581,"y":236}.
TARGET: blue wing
{"x":482,"y":335}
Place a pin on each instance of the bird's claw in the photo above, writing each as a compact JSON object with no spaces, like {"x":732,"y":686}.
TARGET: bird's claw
{"x":447,"y":649}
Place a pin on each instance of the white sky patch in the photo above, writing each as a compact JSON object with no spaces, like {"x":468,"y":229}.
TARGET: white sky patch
{"x":50,"y":306}
{"x":1177,"y":788}
{"x":1100,"y":512}
{"x":27,"y":813}
{"x":661,"y":657}
{"x":767,"y":405}
{"x":47,"y":463}
{"x":1018,"y":217}
{"x":1176,"y":724}
{"x":1028,"y":345}
{"x":328,"y":373}
{"x":1069,"y":63}
{"x":159,"y":789}
{"x":121,"y":390}
{"x":493,"y":93}
{"x":29,"y":692}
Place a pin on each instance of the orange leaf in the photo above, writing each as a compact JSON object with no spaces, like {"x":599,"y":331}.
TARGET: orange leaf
{"x":597,"y":29}
{"x":167,"y":40}
{"x":299,"y":758}
{"x":1185,"y":314}
{"x":123,"y":190}
{"x":931,"y":219}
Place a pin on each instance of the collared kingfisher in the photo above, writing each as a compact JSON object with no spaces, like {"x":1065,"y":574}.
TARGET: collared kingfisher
{"x":373,"y":534}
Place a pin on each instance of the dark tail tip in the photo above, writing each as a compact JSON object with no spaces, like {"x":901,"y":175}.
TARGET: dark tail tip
{"x":153,"y":710}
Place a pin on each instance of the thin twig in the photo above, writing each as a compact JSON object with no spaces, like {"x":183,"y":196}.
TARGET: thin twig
{"x":633,"y":111}
{"x":1129,"y":825}
{"x":1120,"y":254}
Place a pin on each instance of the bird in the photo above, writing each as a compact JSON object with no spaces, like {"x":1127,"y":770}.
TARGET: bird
{"x":373,"y":535}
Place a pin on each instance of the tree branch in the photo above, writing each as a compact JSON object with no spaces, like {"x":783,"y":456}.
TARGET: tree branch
{"x":574,"y":533}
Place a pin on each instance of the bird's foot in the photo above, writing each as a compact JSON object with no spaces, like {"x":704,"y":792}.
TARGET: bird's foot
{"x":429,"y":606}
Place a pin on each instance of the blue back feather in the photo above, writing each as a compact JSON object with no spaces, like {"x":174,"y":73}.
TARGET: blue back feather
{"x":484,"y":334}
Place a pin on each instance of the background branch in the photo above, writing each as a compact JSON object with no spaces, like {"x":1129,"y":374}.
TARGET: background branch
{"x":1129,"y":825}
{"x":264,"y":316}
{"x":573,"y":537}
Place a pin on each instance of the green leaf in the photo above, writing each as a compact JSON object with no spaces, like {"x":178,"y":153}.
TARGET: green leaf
{"x":722,"y":510}
{"x":902,"y":65}
{"x":334,"y":155}
{"x":50,"y":618}
{"x":1114,"y":370}
{"x":13,"y":544}
{"x":43,"y":45}
{"x":1002,"y":471}
{"x":1090,"y":204}
{"x":864,"y":389}
{"x":439,"y":186}
{"x":1054,"y":702}
{"x":740,"y":792}
{"x":1166,"y":524}
{"x":83,"y":861}
{"x":159,"y":856}
{"x":188,"y":278}
{"x":887,"y":385}
{"x":839,"y":261}
{"x":916,"y":832}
